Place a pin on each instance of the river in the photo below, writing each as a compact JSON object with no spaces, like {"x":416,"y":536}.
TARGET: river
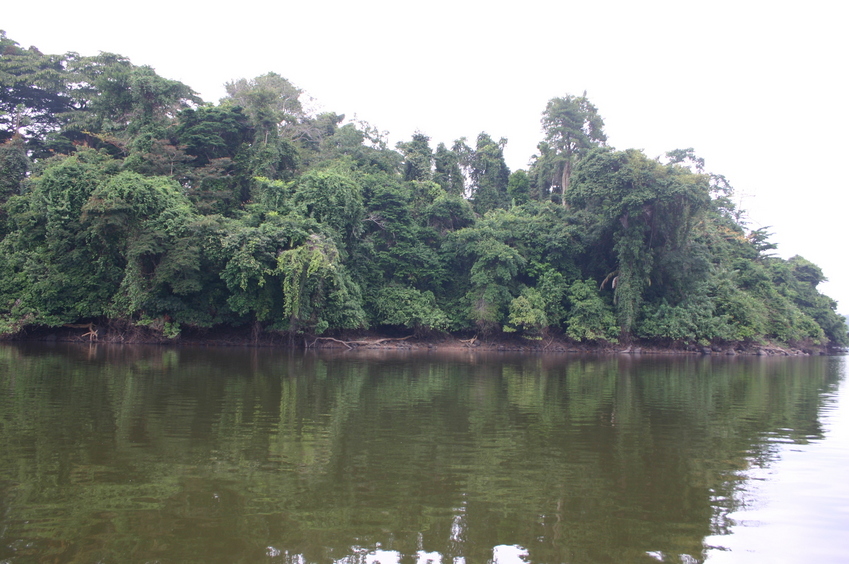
{"x":154,"y":454}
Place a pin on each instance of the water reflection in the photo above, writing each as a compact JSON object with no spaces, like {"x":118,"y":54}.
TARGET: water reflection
{"x":796,"y":508}
{"x":116,"y":454}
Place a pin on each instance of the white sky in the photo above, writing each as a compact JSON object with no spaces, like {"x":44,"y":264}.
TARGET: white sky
{"x":759,"y":89}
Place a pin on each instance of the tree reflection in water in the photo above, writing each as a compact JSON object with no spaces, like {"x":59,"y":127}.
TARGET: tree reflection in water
{"x":118,"y":454}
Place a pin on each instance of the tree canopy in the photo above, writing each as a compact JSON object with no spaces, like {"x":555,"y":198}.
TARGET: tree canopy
{"x":125,"y":197}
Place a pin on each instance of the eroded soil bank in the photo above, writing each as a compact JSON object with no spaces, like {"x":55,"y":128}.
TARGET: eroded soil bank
{"x":118,"y":332}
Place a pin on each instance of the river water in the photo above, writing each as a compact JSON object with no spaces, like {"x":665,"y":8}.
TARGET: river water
{"x":180,"y":455}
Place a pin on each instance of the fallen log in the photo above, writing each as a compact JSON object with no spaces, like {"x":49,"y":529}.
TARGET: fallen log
{"x":361,"y":343}
{"x":92,"y":332}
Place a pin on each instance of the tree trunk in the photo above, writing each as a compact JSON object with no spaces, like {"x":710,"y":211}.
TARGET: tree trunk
{"x":565,"y":177}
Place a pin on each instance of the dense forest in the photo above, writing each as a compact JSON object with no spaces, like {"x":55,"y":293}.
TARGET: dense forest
{"x":126,"y":200}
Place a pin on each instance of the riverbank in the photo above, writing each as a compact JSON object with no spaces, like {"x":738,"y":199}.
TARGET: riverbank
{"x":121,"y":333}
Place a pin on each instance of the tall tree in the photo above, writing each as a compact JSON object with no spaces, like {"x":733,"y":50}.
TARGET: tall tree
{"x":32,"y":93}
{"x":418,"y":157}
{"x":489,"y":174}
{"x":113,"y":96}
{"x":14,"y":165}
{"x":447,"y":171}
{"x":519,"y":187}
{"x":273,"y":106}
{"x":572,"y":127}
{"x":269,"y":100}
{"x":648,"y":212}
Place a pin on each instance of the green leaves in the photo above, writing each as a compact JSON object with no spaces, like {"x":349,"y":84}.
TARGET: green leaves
{"x":488,"y":174}
{"x":400,"y":305}
{"x":255,"y":211}
{"x":14,"y":165}
{"x":317,"y":292}
{"x":648,"y":211}
{"x":249,"y":255}
{"x":331,"y":197}
{"x":269,"y":100}
{"x":572,"y":127}
{"x":33,"y":93}
{"x":590,"y":318}
{"x":417,"y":157}
{"x":527,"y":313}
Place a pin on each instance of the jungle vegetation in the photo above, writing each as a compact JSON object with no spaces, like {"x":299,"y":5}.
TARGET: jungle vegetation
{"x":125,"y":197}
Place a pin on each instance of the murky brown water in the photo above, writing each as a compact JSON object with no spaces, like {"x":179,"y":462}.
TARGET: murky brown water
{"x":135,"y":454}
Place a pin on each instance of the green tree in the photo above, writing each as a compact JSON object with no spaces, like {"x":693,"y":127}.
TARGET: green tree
{"x":447,"y":171}
{"x":247,"y":250}
{"x":119,"y":106}
{"x":14,"y":165}
{"x":147,"y":220}
{"x":218,"y":140}
{"x":33,"y":94}
{"x":411,"y":308}
{"x":526,"y":313}
{"x":358,"y":142}
{"x":572,"y":128}
{"x":274,"y":110}
{"x":488,"y":252}
{"x":488,"y":174}
{"x":648,"y":211}
{"x":449,"y":212}
{"x":418,"y":157}
{"x":51,"y":272}
{"x":519,"y":187}
{"x":797,"y":279}
{"x":397,"y":245}
{"x":590,"y":318}
{"x":318,"y":293}
{"x":333,"y":197}
{"x":213,"y":132}
{"x":269,"y":101}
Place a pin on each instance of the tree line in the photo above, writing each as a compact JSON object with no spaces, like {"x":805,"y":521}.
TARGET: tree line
{"x":124,"y":196}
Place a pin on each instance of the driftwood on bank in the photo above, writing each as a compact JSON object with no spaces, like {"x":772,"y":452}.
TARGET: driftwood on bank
{"x":352,"y":344}
{"x":92,"y":332}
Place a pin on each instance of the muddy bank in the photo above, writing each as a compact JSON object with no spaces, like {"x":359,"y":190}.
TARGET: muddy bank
{"x":119,"y":332}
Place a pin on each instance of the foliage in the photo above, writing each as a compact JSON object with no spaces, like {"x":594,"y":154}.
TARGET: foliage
{"x":399,"y":305}
{"x":33,"y":94}
{"x":488,"y":174}
{"x":331,"y":197}
{"x":589,"y":318}
{"x":123,"y":196}
{"x":447,"y":172}
{"x":648,"y":211}
{"x":572,"y":127}
{"x":519,"y":187}
{"x":527,"y":313}
{"x":317,"y":292}
{"x":14,"y":165}
{"x":417,"y":157}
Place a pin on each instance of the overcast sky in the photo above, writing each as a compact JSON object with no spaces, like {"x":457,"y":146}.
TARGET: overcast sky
{"x":759,"y":89}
